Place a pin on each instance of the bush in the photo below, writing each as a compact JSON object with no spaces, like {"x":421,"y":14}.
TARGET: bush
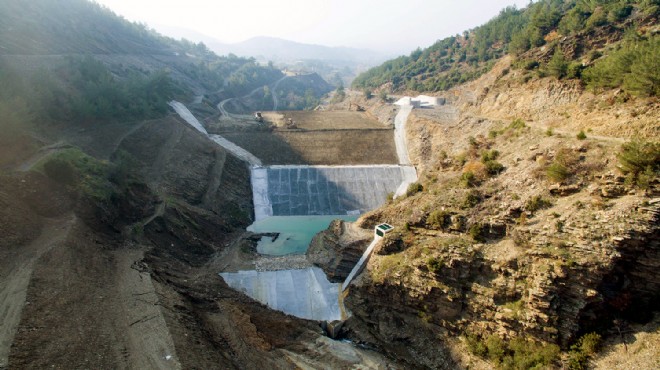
{"x":468,"y":179}
{"x":536,"y":203}
{"x":581,"y":135}
{"x":435,"y":264}
{"x":489,"y":155}
{"x":476,"y":346}
{"x":478,"y":170}
{"x":414,"y":188}
{"x":640,"y":161}
{"x":438,"y":219}
{"x":590,"y":343}
{"x":477,"y":233}
{"x":582,"y":350}
{"x":471,"y":199}
{"x":494,"y":167}
{"x":557,"y":172}
{"x":518,"y":353}
{"x":517,"y":124}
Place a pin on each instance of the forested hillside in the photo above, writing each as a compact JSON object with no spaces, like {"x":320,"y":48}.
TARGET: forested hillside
{"x":557,"y":37}
{"x":76,"y":62}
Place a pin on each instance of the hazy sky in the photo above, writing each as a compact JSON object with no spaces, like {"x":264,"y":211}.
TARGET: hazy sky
{"x":381,"y":25}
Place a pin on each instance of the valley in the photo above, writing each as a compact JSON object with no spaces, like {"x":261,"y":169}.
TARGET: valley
{"x":150,"y":218}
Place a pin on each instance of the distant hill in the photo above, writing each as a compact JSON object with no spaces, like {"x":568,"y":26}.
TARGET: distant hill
{"x":571,"y":29}
{"x":280,"y":50}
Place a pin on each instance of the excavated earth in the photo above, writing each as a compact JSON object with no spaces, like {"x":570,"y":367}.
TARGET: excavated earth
{"x":131,"y":282}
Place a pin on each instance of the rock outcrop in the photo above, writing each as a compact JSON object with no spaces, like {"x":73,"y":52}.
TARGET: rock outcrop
{"x":337,"y":249}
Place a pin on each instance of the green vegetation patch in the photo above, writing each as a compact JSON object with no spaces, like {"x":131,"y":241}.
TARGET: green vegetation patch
{"x":633,"y":66}
{"x":517,"y":353}
{"x":640,"y":162}
{"x":73,"y":168}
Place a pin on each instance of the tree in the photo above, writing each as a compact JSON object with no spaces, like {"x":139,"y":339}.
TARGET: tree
{"x":558,"y":66}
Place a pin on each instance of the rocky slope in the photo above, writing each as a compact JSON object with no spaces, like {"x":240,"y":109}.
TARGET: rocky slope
{"x":513,"y":252}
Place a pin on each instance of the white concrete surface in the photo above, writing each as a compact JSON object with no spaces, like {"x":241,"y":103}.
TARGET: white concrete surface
{"x":360,"y":264}
{"x":305,"y":293}
{"x":187,"y":116}
{"x":262,"y":206}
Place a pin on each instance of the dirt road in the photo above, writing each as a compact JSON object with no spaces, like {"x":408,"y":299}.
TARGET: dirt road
{"x":273,"y":86}
{"x":16,"y":267}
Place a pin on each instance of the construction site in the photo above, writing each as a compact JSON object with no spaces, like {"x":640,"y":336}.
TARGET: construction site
{"x":336,"y":164}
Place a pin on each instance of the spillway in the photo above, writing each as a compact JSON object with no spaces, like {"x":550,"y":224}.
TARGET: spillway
{"x":304,"y":293}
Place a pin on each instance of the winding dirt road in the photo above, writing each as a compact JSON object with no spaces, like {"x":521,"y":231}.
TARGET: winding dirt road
{"x":273,"y":86}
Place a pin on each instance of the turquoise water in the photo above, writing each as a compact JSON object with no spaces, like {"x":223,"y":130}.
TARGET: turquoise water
{"x":296,"y":232}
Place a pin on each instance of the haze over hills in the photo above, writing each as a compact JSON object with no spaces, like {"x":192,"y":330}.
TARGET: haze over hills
{"x":325,"y":60}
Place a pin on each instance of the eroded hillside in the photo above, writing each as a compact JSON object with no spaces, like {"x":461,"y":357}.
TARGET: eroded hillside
{"x":523,"y":225}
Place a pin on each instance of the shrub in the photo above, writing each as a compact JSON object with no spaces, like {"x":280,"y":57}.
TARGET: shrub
{"x":536,"y":203}
{"x":469,"y":180}
{"x":494,"y":167}
{"x":471,"y":199}
{"x":582,"y":350}
{"x":549,"y":132}
{"x":517,"y":124}
{"x":574,"y":70}
{"x":640,"y":161}
{"x":438,"y":219}
{"x":590,"y":343}
{"x":414,"y":188}
{"x":518,"y":353}
{"x":475,"y":345}
{"x":368,"y":94}
{"x":489,"y":155}
{"x":557,"y":172}
{"x":435,"y":264}
{"x":581,"y":135}
{"x":478,"y":169}
{"x":477,"y":232}
{"x":496,"y":348}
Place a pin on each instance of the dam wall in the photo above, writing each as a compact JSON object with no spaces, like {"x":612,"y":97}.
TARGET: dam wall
{"x":324,"y":190}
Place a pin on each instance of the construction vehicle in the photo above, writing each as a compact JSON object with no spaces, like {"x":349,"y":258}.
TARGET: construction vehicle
{"x":258,"y":117}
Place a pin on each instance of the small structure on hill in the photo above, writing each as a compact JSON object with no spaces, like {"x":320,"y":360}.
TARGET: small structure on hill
{"x":258,"y":117}
{"x":382,"y":229}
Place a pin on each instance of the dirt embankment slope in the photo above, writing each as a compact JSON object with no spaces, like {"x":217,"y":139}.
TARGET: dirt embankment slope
{"x":132,"y":282}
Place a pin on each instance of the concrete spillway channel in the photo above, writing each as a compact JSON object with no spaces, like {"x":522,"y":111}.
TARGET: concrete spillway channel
{"x":306,"y":197}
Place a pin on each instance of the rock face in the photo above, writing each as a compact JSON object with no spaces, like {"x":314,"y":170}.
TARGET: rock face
{"x":337,"y":249}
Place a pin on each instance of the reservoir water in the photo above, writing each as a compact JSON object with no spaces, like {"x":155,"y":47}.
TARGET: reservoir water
{"x":295,"y":232}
